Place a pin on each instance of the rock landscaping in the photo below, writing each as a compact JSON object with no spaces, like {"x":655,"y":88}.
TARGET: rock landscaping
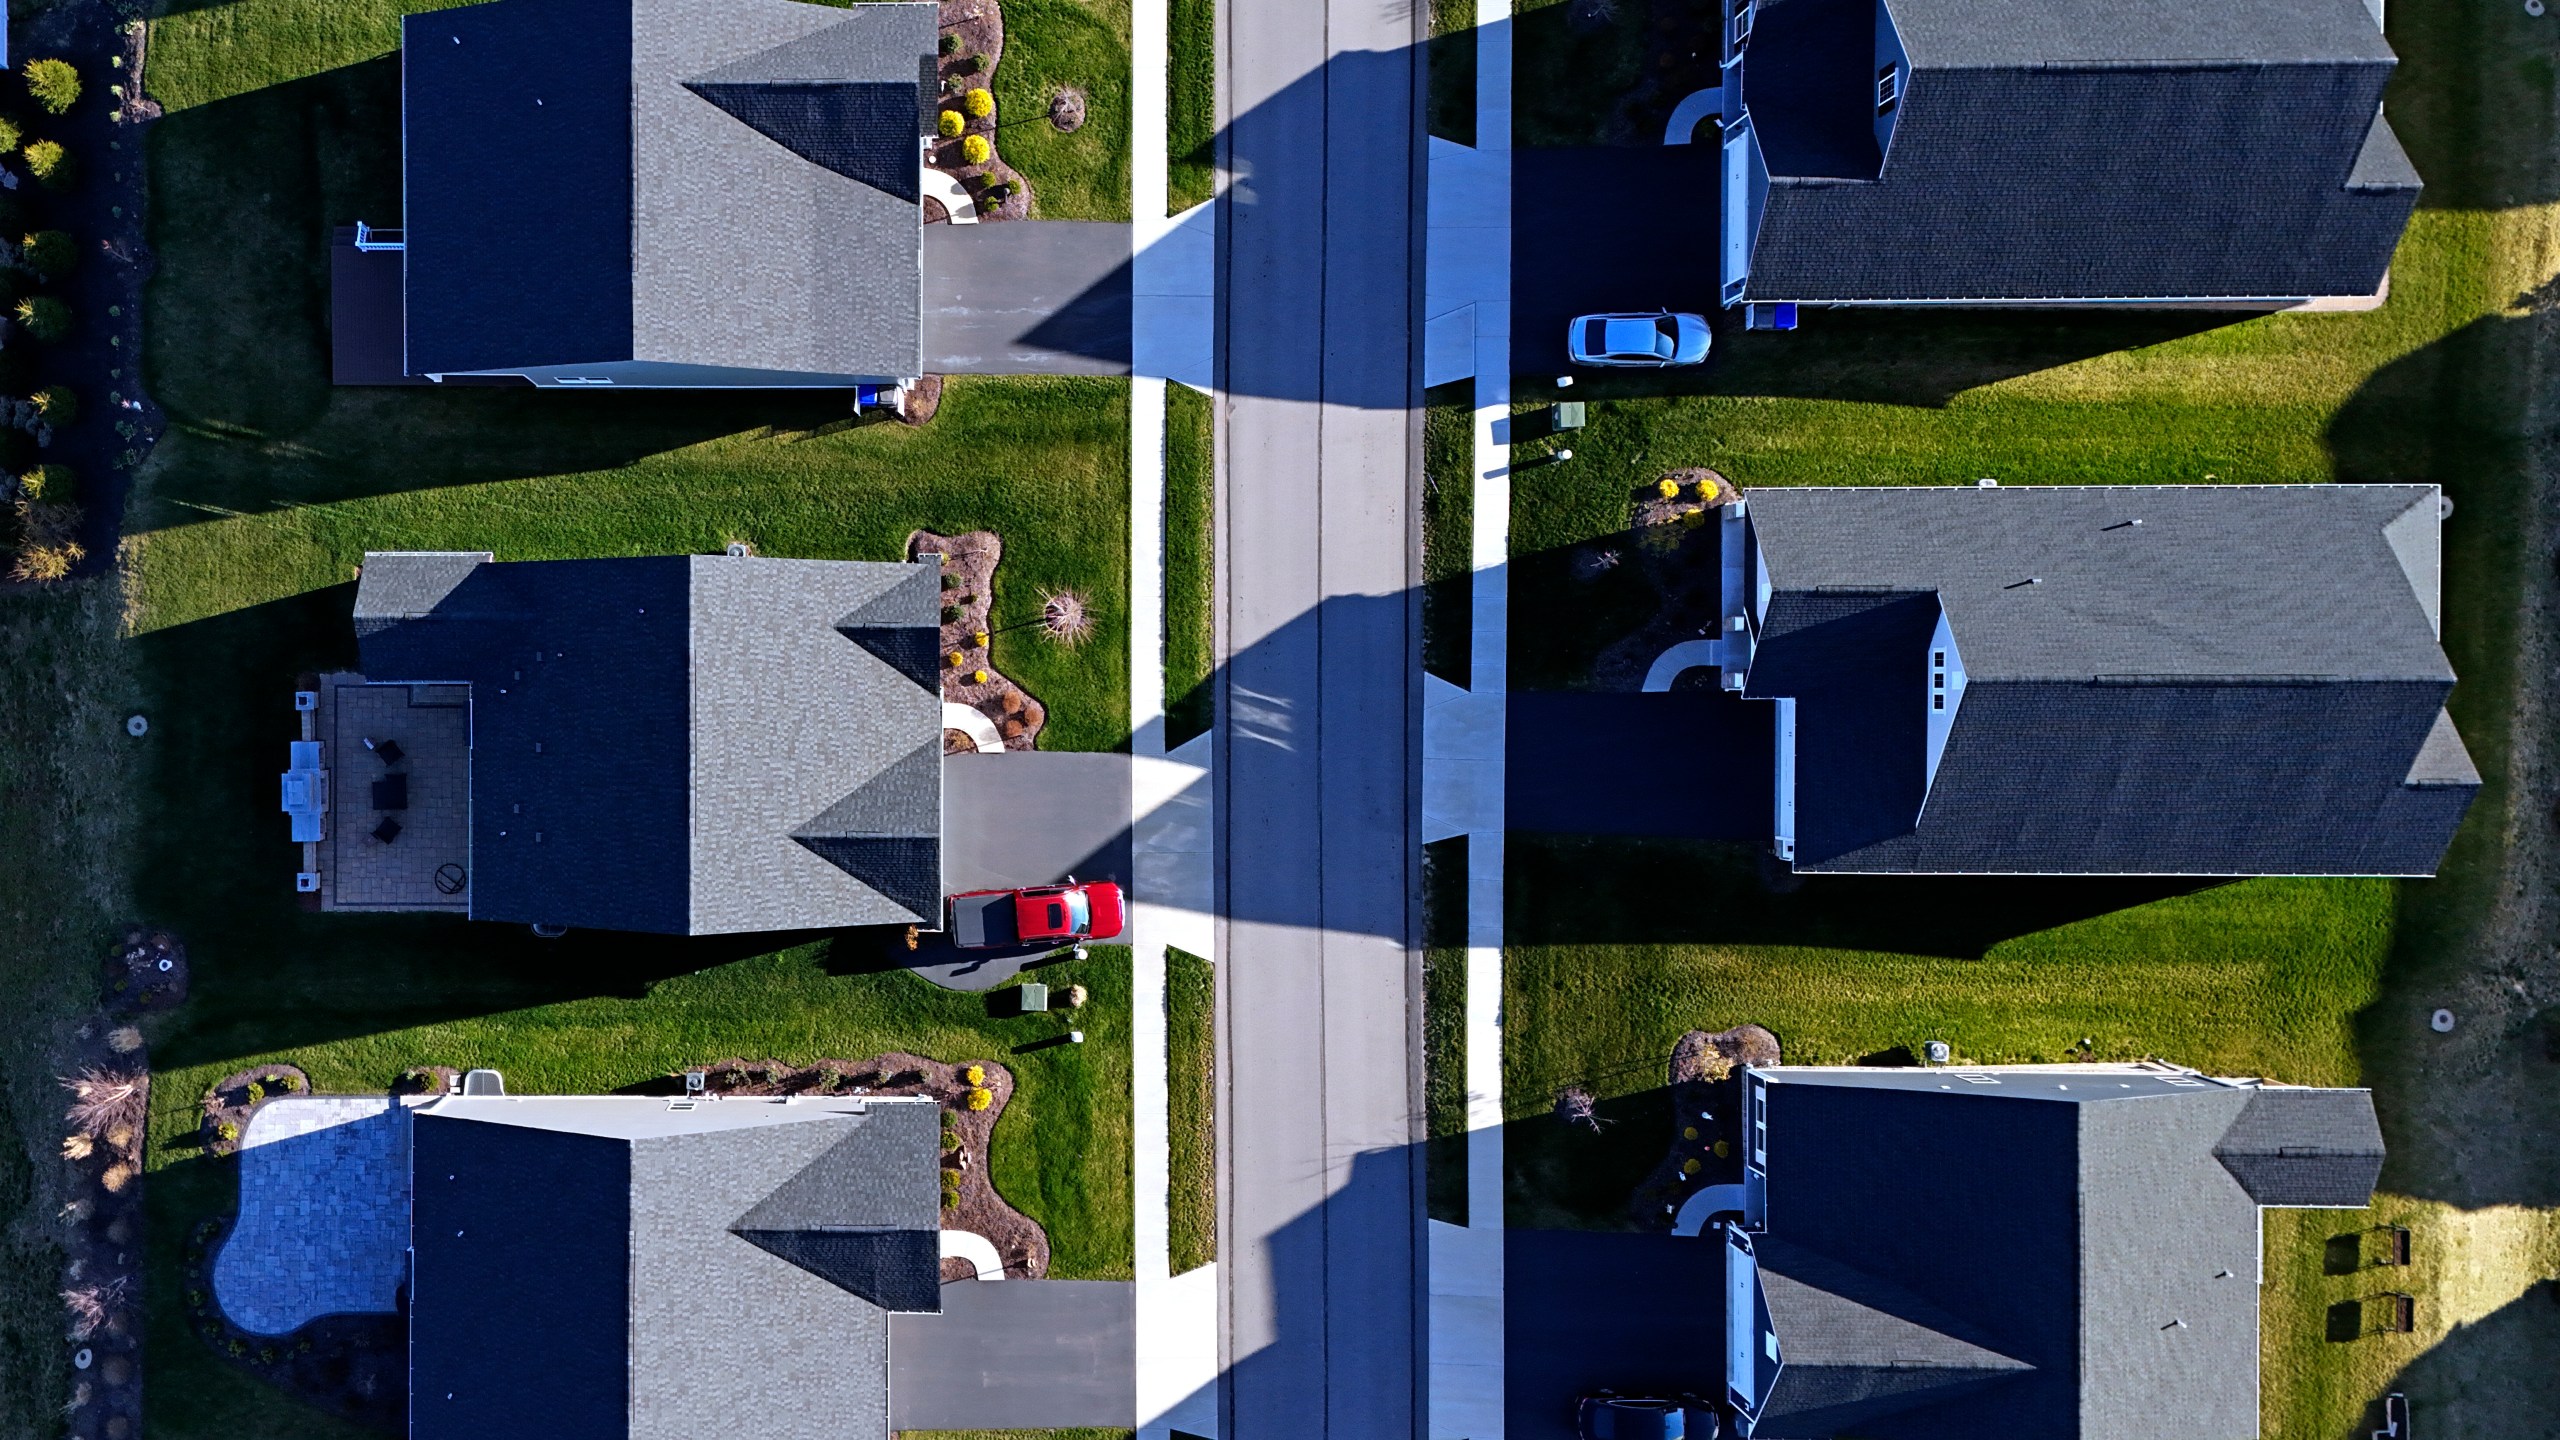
{"x":101,"y":1274}
{"x":1706,"y":1109}
{"x":965,"y":144}
{"x":969,"y":676}
{"x":228,"y":1102}
{"x":1671,"y":541}
{"x":147,"y":970}
{"x":973,"y":1094}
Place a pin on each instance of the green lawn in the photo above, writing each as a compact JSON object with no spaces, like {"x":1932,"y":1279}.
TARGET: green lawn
{"x":1191,"y":119}
{"x":1190,"y":565}
{"x":65,"y":763}
{"x":1053,"y":43}
{"x":1448,"y":530}
{"x":1191,"y":1061}
{"x":1451,"y":98}
{"x":1444,"y":1027}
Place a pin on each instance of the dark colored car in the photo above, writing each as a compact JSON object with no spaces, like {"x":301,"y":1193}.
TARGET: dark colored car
{"x":1607,"y":1415}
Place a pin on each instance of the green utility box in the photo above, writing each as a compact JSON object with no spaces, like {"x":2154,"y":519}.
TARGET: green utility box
{"x":1566,"y":415}
{"x":1034,"y":997}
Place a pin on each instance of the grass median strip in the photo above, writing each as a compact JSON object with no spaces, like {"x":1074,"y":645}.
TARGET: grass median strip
{"x":1190,"y":564}
{"x":1191,"y":94}
{"x":1191,"y":1065}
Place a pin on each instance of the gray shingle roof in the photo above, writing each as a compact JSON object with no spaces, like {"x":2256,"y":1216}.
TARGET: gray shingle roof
{"x":2305,"y":1147}
{"x":2073,"y":150}
{"x":2247,"y":681}
{"x":2080,"y":1220}
{"x":708,"y":183}
{"x":681,"y":744}
{"x":709,"y":1331}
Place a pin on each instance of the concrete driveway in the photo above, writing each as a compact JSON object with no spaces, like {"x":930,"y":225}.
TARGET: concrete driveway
{"x":1027,"y":297}
{"x":1585,"y":1311}
{"x":1607,"y":229}
{"x":1695,"y":764}
{"x":1021,"y":1354}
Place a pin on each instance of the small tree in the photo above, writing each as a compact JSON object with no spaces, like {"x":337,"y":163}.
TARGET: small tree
{"x":979,"y":103}
{"x":1574,"y":1106}
{"x":54,"y":483}
{"x":10,"y":136}
{"x":53,"y":84}
{"x":975,"y":149}
{"x":43,"y":317}
{"x":948,"y":125}
{"x":50,"y":253}
{"x":950,"y":44}
{"x":56,"y":404}
{"x":50,"y":164}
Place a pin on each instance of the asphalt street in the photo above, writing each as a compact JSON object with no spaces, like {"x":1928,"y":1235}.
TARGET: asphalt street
{"x":1323,"y":1266}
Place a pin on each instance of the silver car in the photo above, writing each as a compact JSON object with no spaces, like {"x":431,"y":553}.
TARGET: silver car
{"x":1645,"y":341}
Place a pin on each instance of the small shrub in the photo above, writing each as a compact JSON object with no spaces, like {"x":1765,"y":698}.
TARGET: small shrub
{"x":951,"y":1198}
{"x":56,"y":404}
{"x":1690,"y":1166}
{"x":53,"y":84}
{"x":1667,"y":489}
{"x":950,"y":614}
{"x":49,"y":163}
{"x":123,"y":1039}
{"x":49,"y":253}
{"x":979,"y":103}
{"x":226,"y":1132}
{"x":11,"y":137}
{"x":977,"y":64}
{"x":77,"y":1147}
{"x":980,"y":1097}
{"x":257,"y":1092}
{"x":975,"y":1074}
{"x":949,"y":124}
{"x":292,"y":1083}
{"x":43,"y":317}
{"x":950,"y":44}
{"x":975,"y":149}
{"x":118,"y":1176}
{"x":101,"y":1100}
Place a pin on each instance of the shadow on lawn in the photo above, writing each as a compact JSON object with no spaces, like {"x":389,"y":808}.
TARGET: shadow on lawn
{"x":245,"y":192}
{"x":1574,"y":890}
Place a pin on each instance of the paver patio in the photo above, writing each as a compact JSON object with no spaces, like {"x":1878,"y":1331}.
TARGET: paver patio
{"x":324,"y":1213}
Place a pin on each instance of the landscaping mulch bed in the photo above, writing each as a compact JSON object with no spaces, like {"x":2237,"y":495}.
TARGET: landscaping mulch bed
{"x":968,"y":589}
{"x":978,"y":26}
{"x":923,"y":399}
{"x":1706,"y":1109}
{"x":353,"y":1366}
{"x":1673,"y":543}
{"x":147,"y":970}
{"x":103,"y":1242}
{"x":1019,"y":1239}
{"x":229,"y":1101}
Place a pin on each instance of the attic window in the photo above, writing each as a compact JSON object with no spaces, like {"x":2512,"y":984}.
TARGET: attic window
{"x":1888,"y":88}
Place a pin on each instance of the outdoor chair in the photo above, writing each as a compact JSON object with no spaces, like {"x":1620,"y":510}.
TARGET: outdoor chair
{"x":389,"y":750}
{"x":391,"y":792}
{"x":387,"y":831}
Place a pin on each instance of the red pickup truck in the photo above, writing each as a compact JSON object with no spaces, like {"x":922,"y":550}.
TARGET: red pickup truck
{"x":1040,"y":915}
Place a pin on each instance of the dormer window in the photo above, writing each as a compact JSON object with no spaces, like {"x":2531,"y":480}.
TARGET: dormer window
{"x":1888,"y":88}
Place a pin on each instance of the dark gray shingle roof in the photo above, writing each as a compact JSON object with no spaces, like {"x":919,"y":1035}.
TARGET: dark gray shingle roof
{"x":2305,"y":1147}
{"x":681,"y":744}
{"x":2069,"y":149}
{"x":2246,"y":682}
{"x":718,"y":183}
{"x":2081,"y":1220}
{"x":642,"y":1204}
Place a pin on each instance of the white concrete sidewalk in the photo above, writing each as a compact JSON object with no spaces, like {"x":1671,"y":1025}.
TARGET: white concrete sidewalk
{"x":1468,"y":283}
{"x":1172,"y":315}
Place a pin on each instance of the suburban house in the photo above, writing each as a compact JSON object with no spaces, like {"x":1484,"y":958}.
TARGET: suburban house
{"x":2042,"y":1252}
{"x":2056,"y":152}
{"x":656,"y":1267}
{"x":656,"y":193}
{"x":679,"y":744}
{"x":2098,"y":679}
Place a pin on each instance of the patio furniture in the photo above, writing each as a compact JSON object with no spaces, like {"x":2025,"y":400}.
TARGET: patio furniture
{"x":387,"y":831}
{"x":2394,"y":1313}
{"x":2395,"y":1245}
{"x":391,"y":792}
{"x":2395,"y":1418}
{"x":388,"y":750}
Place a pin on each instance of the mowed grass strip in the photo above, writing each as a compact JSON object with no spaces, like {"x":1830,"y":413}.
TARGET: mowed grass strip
{"x":1061,"y":1153}
{"x":1191,"y":1065}
{"x":1448,"y":530}
{"x":1191,"y":96}
{"x":1190,"y":564}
